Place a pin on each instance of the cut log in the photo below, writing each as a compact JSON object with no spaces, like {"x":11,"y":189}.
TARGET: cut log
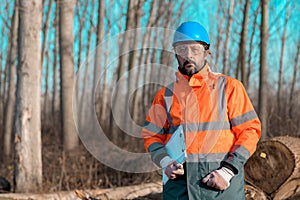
{"x":129,"y":192}
{"x":290,"y":190}
{"x":253,"y":193}
{"x":274,"y":163}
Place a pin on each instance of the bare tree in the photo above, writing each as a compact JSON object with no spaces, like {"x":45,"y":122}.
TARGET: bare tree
{"x":99,"y":49}
{"x":281,"y":68}
{"x":45,"y":30}
{"x":81,"y":18}
{"x":218,"y":39}
{"x":263,"y":79}
{"x":12,"y":65}
{"x":227,"y":37}
{"x":292,"y":92}
{"x":243,"y":44}
{"x":66,"y":42}
{"x":28,"y":146}
{"x":55,"y":67}
{"x":133,"y":60}
{"x":252,"y":45}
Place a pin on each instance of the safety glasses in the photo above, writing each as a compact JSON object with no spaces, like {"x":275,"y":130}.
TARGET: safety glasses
{"x":185,"y":49}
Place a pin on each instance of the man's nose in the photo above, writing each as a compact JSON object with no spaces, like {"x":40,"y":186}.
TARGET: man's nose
{"x":189,"y":53}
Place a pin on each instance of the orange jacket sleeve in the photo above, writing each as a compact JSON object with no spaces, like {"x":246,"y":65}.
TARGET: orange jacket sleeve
{"x":244,"y":124}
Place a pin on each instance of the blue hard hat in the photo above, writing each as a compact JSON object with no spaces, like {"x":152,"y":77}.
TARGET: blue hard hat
{"x":191,"y":31}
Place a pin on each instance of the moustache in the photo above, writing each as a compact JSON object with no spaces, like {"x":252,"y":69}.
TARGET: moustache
{"x":189,"y":62}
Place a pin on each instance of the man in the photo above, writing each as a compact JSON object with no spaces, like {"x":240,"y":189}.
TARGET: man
{"x":221,"y":128}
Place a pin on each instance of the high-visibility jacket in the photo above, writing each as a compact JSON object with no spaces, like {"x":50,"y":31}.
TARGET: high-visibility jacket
{"x":220,"y":126}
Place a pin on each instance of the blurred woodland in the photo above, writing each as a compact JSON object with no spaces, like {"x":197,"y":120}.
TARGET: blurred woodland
{"x":46,"y":43}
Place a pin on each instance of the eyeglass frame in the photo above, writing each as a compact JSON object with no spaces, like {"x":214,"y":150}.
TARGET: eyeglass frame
{"x":194,"y":52}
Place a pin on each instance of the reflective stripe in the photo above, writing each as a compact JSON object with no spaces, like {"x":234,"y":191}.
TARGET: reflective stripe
{"x":221,"y":97}
{"x":158,"y":154}
{"x":153,"y":128}
{"x":168,"y":100}
{"x":154,"y":146}
{"x":157,"y":151}
{"x":212,"y":157}
{"x":242,"y":151}
{"x":204,"y":126}
{"x":207,"y":126}
{"x":243,"y":118}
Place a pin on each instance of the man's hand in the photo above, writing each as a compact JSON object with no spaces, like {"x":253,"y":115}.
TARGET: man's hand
{"x":219,"y":179}
{"x":174,"y":169}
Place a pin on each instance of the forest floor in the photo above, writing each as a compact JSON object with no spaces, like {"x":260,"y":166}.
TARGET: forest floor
{"x":77,"y":170}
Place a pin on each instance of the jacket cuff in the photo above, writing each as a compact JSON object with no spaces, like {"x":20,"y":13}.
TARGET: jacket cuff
{"x":166,"y":161}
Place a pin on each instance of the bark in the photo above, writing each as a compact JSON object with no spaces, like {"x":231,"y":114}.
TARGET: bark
{"x":263,"y":78}
{"x":28,"y":157}
{"x":281,"y":68}
{"x":227,"y":37}
{"x":10,"y":104}
{"x":66,"y":40}
{"x":243,"y":44}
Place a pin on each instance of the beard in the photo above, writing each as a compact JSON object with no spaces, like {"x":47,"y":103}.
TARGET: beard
{"x":189,"y":68}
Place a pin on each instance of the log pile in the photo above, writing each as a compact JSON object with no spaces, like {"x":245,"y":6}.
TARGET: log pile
{"x":273,"y":170}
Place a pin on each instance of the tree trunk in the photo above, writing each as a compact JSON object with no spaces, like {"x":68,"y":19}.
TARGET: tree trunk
{"x":263,"y":78}
{"x":55,"y":68}
{"x":133,"y":62}
{"x":66,"y":41}
{"x":45,"y":110}
{"x":45,"y":30}
{"x":227,"y":37}
{"x":104,"y":114}
{"x":243,"y":44}
{"x":28,"y":146}
{"x":281,"y":68}
{"x":218,"y":39}
{"x":291,"y":100}
{"x":251,"y":46}
{"x":10,"y":104}
{"x":99,"y":48}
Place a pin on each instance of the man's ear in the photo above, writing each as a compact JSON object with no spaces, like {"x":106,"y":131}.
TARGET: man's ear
{"x":208,"y":52}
